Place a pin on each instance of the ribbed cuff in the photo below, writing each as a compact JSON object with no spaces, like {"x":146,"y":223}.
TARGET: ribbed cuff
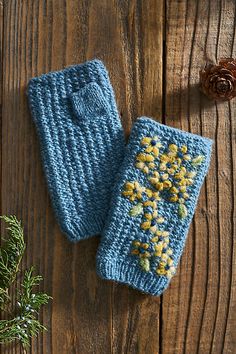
{"x":83,"y":229}
{"x":132,"y":276}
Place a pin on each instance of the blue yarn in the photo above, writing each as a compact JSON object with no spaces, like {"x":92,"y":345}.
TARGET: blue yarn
{"x":82,"y":143}
{"x":114,"y":258}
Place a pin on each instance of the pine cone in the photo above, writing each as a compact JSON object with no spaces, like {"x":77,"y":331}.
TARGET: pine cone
{"x":218,"y":82}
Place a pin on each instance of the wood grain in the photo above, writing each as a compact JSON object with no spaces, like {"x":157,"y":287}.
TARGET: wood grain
{"x":133,"y":313}
{"x":153,"y":51}
{"x":197,"y":306}
{"x":1,"y":65}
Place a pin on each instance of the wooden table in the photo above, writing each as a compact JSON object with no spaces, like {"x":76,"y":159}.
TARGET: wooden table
{"x":153,"y":50}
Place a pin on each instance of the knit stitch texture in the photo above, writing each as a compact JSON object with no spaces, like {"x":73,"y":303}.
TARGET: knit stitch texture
{"x":82,"y":143}
{"x":152,"y":206}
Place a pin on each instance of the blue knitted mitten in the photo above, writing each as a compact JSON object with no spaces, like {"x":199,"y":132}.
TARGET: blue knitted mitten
{"x":152,"y":206}
{"x":82,"y":144}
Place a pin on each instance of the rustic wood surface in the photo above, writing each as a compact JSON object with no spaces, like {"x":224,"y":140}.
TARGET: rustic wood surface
{"x":153,"y":50}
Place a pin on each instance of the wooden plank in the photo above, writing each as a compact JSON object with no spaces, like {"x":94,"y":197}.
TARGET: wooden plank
{"x":86,"y":315}
{"x":43,"y":36}
{"x":199,"y":307}
{"x":136,"y":316}
{"x":1,"y":48}
{"x":1,"y":61}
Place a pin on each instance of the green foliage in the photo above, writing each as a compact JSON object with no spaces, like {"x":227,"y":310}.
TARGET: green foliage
{"x":23,"y":323}
{"x":11,"y":254}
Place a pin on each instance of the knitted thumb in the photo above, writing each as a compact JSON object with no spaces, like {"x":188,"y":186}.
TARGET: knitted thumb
{"x":152,"y":206}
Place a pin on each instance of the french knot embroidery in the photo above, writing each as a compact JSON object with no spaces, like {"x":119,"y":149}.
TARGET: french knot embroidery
{"x":170,"y":172}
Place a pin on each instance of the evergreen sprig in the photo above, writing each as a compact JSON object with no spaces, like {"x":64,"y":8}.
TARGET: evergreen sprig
{"x":11,"y":254}
{"x":23,"y":323}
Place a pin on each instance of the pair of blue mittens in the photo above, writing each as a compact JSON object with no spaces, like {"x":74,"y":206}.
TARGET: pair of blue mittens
{"x":140,"y":197}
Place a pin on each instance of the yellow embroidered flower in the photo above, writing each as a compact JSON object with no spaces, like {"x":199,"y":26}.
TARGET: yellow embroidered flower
{"x":152,"y":145}
{"x":151,"y":220}
{"x":171,"y":160}
{"x":179,"y":154}
{"x":133,"y":191}
{"x":178,"y":194}
{"x":152,"y":194}
{"x":145,"y":162}
{"x":184,"y":177}
{"x":153,"y":198}
{"x":141,"y":249}
{"x":162,"y":250}
{"x":150,"y":203}
{"x":166,"y":268}
{"x":160,"y":181}
{"x":168,"y":164}
{"x":161,"y":236}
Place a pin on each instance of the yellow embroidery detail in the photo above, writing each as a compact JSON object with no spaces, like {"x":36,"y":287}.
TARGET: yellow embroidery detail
{"x":133,"y":191}
{"x":166,"y":268}
{"x":170,"y":176}
{"x":152,"y":145}
{"x":145,"y":162}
